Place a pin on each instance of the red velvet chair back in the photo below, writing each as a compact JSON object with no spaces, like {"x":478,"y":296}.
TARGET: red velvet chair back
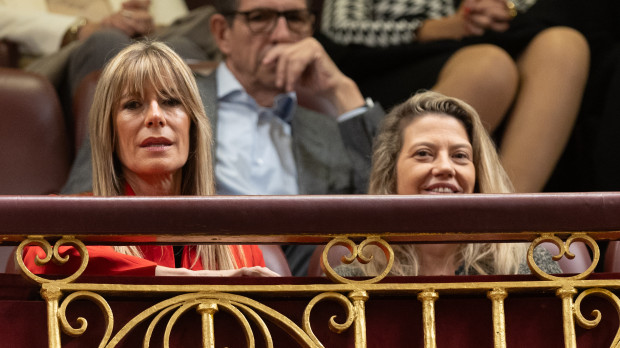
{"x":35,"y":156}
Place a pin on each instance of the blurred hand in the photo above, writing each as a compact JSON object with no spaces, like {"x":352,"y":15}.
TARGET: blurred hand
{"x":255,"y":271}
{"x":133,"y":19}
{"x":305,"y":67}
{"x":473,"y":18}
{"x":482,"y":15}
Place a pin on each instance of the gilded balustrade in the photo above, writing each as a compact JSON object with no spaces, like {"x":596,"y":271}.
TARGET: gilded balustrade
{"x":380,"y":222}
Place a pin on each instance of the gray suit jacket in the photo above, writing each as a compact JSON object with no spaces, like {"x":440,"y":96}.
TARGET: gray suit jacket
{"x":331,"y":157}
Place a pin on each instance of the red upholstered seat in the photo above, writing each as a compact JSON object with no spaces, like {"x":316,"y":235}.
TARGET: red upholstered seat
{"x":35,"y":156}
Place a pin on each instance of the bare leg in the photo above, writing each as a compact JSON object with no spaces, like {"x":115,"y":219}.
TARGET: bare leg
{"x":553,"y":71}
{"x":484,"y":76}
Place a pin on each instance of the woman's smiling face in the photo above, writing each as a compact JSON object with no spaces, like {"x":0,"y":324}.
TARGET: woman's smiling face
{"x":436,"y":157}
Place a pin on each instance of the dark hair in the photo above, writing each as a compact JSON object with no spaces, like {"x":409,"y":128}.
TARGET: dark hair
{"x":230,"y":6}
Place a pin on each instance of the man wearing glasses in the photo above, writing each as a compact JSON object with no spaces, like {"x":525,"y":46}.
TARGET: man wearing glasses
{"x":267,"y":142}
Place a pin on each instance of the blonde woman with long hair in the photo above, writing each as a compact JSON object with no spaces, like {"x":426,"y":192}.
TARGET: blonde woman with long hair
{"x":433,"y":144}
{"x":150,"y":137}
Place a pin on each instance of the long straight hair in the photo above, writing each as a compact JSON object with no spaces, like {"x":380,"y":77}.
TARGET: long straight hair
{"x":154,"y":64}
{"x":483,"y":258}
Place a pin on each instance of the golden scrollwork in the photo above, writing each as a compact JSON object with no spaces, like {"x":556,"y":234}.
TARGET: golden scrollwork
{"x":333,"y":325}
{"x":589,"y":324}
{"x":51,"y":254}
{"x":564,"y":251}
{"x":83,"y":324}
{"x":240,"y":307}
{"x":357,"y":252}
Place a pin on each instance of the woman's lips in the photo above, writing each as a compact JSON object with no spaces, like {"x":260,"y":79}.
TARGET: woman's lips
{"x":156,"y":144}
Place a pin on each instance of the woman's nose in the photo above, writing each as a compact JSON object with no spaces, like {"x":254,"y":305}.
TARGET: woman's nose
{"x":154,"y":115}
{"x":444,"y":166}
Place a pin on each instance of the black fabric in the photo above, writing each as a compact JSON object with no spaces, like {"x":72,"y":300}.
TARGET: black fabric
{"x":391,"y":75}
{"x":178,"y":255}
{"x":298,"y":257}
{"x":591,"y":161}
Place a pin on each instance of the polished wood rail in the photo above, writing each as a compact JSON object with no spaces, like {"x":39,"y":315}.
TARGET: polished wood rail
{"x":311,"y":219}
{"x":538,"y":310}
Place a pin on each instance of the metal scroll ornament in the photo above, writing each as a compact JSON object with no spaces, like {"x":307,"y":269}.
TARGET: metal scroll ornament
{"x":564,"y":251}
{"x":357,"y":252}
{"x":207,"y":305}
{"x":52,"y":254}
{"x":589,"y":324}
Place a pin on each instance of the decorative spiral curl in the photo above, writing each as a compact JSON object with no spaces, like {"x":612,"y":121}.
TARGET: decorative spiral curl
{"x":564,"y":250}
{"x":589,"y":324}
{"x":83,"y":324}
{"x":239,"y":307}
{"x":51,"y":254}
{"x":357,"y":252}
{"x":333,"y":325}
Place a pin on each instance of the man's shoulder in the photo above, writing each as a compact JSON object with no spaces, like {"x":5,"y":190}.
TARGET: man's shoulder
{"x":204,"y":77}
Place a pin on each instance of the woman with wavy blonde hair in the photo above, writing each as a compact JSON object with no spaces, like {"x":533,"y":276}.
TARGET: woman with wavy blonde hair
{"x":433,"y":144}
{"x":150,"y":136}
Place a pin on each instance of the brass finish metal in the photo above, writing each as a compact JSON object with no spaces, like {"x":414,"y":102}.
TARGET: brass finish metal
{"x":101,"y":303}
{"x":52,"y":295}
{"x":357,"y":252}
{"x":563,"y":251}
{"x":589,"y":324}
{"x":206,"y":311}
{"x":333,"y":325}
{"x":499,"y":322}
{"x":428,"y":299}
{"x":566,"y":293}
{"x":352,"y":295}
{"x":359,"y":299}
{"x":49,"y":253}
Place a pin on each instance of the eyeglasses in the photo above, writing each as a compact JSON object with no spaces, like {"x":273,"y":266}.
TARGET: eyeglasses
{"x":263,"y":20}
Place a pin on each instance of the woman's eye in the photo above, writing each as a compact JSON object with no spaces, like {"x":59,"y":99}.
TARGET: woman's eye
{"x":462,"y":156}
{"x":172,"y":102}
{"x":422,"y":153}
{"x":131,"y":105}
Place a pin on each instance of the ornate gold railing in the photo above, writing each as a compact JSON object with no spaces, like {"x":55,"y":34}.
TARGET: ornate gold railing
{"x":352,"y":221}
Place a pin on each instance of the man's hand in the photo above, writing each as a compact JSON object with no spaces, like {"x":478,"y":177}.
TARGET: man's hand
{"x":305,"y":67}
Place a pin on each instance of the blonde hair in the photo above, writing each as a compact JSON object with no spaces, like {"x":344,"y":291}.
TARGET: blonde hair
{"x":137,"y":66}
{"x":483,"y":258}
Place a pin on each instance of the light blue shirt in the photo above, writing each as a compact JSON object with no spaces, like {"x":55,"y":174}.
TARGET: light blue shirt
{"x":254,"y":153}
{"x":254,"y":149}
